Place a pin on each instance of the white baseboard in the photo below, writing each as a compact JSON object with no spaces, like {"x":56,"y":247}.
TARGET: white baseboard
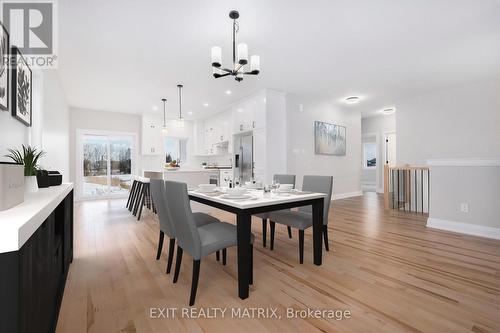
{"x":347,"y":195}
{"x":380,"y":190}
{"x":464,"y":228}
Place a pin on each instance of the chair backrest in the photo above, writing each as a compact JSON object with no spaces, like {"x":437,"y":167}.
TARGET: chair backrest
{"x":285,"y":179}
{"x":321,"y":184}
{"x":160,"y":201}
{"x":182,"y":217}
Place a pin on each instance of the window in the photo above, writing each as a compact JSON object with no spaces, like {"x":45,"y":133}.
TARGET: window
{"x":106,"y":163}
{"x":370,"y":155}
{"x":175,"y":149}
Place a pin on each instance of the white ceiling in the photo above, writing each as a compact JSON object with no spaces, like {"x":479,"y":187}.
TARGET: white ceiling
{"x":126,"y":55}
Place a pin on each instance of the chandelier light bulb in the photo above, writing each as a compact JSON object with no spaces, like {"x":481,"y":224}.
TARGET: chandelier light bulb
{"x":242,"y":53}
{"x":255,"y":64}
{"x":216,"y":56}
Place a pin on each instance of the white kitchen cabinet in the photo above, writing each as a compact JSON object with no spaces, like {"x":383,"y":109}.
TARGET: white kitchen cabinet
{"x":152,"y":139}
{"x":214,"y":134}
{"x":244,"y":116}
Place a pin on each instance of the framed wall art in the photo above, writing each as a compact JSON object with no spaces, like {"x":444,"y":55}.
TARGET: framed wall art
{"x":329,"y":139}
{"x":4,"y":68}
{"x":21,"y":88}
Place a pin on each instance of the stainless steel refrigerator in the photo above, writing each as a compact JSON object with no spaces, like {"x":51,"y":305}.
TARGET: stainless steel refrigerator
{"x":243,"y":157}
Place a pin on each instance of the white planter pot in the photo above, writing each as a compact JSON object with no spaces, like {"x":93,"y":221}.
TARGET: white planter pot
{"x":30,"y":184}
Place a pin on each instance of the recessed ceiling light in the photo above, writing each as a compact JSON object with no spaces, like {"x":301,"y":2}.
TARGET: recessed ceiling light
{"x":155,"y":108}
{"x":387,"y":111}
{"x":205,"y":104}
{"x":228,"y":92}
{"x":352,"y":99}
{"x":190,"y":112}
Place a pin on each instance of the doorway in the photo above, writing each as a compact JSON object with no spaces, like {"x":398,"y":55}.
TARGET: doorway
{"x":105,"y":164}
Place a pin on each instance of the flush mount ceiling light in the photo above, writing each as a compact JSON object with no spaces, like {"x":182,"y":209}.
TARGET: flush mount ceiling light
{"x":388,"y":111}
{"x":164,"y":130}
{"x":205,"y":104}
{"x":239,"y":60}
{"x":180,"y":122}
{"x":228,"y":92}
{"x":155,"y":108}
{"x":352,"y":100}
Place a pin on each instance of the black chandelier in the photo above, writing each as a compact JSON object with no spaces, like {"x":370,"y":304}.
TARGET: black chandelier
{"x":240,"y":60}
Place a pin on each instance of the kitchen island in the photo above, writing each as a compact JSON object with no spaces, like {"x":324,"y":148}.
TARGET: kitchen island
{"x":192,"y":177}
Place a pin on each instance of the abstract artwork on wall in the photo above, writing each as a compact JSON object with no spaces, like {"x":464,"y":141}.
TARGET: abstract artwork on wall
{"x":21,"y":88}
{"x":329,"y":139}
{"x":4,"y":70}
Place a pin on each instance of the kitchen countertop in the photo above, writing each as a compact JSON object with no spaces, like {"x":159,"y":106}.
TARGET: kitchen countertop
{"x":18,"y":223}
{"x":179,"y":170}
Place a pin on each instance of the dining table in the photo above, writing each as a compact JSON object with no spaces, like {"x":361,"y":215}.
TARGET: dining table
{"x":255,"y":202}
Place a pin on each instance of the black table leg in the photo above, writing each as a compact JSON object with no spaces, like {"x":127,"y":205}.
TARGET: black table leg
{"x":317,"y":209}
{"x":243,"y":225}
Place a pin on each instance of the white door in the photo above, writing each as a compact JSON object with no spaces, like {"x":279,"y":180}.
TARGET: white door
{"x":105,"y":163}
{"x":390,"y":149}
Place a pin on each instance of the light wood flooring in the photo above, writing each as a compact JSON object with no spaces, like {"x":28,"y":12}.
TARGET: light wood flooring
{"x":385,"y":267}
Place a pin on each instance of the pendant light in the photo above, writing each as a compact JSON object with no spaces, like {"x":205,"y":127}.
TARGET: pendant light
{"x":164,"y":130}
{"x":180,"y":122}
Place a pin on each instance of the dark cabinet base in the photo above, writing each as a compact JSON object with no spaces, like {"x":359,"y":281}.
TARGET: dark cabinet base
{"x":32,"y":279}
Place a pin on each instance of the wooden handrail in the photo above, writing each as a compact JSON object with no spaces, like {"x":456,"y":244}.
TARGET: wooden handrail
{"x":407,"y":167}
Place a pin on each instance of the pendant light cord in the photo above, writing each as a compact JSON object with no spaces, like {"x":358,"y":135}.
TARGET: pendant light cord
{"x":180,"y":100}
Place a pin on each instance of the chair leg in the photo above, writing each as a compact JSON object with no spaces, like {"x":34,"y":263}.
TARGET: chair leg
{"x":130,"y":194}
{"x":160,"y":245}
{"x":325,"y":237}
{"x":301,"y":246}
{"x":264,"y":232}
{"x":194,"y":281}
{"x":224,"y":254}
{"x":171,"y":247}
{"x":272,"y":225}
{"x":143,"y":197}
{"x":138,"y":197}
{"x":251,"y":264}
{"x":289,"y":231}
{"x":217,"y":255}
{"x":133,"y":193}
{"x":178,"y":261}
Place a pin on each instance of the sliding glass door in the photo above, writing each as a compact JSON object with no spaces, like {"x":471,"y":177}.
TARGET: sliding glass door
{"x":105,"y":164}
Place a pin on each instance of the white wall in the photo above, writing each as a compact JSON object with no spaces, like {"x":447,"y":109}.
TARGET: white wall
{"x":50,"y":123}
{"x":378,"y":125}
{"x":458,"y":122}
{"x":346,"y":170}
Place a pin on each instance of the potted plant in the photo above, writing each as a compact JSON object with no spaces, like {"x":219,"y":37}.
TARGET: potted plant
{"x":29,"y":158}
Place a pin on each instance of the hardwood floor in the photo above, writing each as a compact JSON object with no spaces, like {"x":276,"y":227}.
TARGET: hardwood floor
{"x":385,"y":267}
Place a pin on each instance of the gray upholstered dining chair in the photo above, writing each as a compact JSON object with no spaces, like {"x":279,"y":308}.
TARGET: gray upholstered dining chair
{"x":197,"y":241}
{"x":302,"y":219}
{"x":282,"y":179}
{"x":158,"y":192}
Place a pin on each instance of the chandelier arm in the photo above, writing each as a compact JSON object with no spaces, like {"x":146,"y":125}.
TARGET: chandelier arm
{"x":221,"y":75}
{"x":226,"y":70}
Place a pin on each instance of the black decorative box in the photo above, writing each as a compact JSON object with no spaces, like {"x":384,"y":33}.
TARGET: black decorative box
{"x":42,"y":178}
{"x":55,"y":178}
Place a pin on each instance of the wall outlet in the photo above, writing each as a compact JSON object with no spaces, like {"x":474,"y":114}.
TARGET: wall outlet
{"x":464,"y":207}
